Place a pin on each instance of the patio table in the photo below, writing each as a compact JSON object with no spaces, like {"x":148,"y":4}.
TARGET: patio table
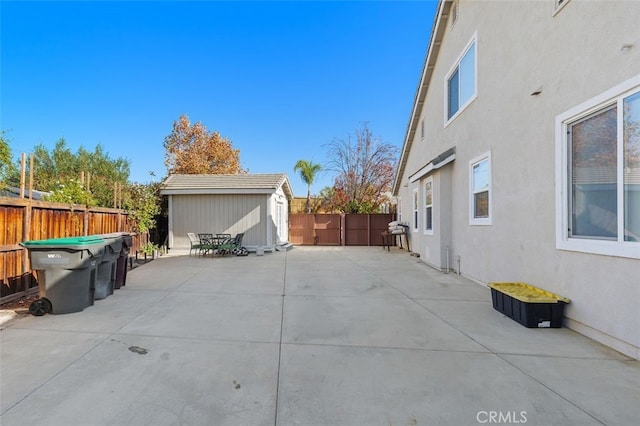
{"x":214,"y":243}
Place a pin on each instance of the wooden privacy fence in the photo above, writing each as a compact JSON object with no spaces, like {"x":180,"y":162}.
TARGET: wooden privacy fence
{"x":26,"y":220}
{"x":338,"y":229}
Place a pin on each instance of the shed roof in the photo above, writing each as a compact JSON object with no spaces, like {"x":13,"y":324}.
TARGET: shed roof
{"x":227,"y":184}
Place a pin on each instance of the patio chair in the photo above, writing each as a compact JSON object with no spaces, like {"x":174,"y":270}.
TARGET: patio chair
{"x":225,"y":243}
{"x":207,"y":243}
{"x":237,"y":248}
{"x":194,"y":241}
{"x":233,"y":246}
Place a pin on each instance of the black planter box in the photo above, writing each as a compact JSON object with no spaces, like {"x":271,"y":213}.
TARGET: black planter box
{"x":528,"y":305}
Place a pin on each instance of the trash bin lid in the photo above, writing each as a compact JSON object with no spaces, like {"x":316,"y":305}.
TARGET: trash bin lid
{"x":90,"y":239}
{"x":77,"y":243}
{"x":124,"y":236}
{"x":527,"y":293}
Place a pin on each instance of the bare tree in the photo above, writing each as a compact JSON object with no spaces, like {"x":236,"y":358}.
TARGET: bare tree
{"x":364,"y":166}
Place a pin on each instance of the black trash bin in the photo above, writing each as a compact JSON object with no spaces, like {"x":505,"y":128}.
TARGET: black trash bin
{"x":66,"y":270}
{"x":121,"y":263}
{"x":105,"y":282}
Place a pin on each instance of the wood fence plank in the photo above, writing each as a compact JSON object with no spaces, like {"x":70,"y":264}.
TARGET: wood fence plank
{"x":46,"y":220}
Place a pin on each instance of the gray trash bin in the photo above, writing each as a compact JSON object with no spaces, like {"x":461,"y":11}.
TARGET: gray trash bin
{"x":121,"y":262}
{"x":66,"y":271}
{"x":105,"y":282}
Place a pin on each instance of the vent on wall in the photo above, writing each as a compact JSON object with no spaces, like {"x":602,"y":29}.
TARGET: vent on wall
{"x":454,"y":13}
{"x":560,"y":4}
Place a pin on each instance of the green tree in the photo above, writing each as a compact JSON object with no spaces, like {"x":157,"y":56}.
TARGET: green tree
{"x":72,"y":192}
{"x":308,"y":171}
{"x":143,"y":203}
{"x":7,"y":168}
{"x":59,"y":171}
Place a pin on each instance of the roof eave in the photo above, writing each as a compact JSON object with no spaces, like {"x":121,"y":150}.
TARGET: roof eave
{"x":437,"y":33}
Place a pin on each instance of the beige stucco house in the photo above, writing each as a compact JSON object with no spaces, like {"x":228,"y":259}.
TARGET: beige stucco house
{"x":254,"y":204}
{"x":521,"y":160}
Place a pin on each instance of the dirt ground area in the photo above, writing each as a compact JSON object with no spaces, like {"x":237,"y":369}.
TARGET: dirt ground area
{"x":20,"y":305}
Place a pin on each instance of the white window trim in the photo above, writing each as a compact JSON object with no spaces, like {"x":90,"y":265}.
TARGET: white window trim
{"x":480,"y":220}
{"x":424,"y":206}
{"x":415,"y":218}
{"x":563,"y":242}
{"x":456,"y":64}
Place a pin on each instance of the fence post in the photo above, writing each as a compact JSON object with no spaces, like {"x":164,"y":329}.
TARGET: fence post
{"x":22,"y":173}
{"x":85,"y":224}
{"x":343,"y":232}
{"x":26,"y":231}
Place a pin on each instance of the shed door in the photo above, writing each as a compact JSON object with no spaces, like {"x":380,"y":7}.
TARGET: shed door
{"x":280,"y":223}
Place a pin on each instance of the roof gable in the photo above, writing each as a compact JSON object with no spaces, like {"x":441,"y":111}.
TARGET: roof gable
{"x":226,"y":184}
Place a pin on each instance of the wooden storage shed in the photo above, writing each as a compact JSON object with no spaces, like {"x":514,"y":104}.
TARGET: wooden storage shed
{"x":256,"y":204}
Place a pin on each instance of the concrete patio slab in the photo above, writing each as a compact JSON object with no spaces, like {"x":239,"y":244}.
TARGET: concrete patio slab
{"x":501,"y":334}
{"x":107,"y":316}
{"x":371,"y":322}
{"x":162,"y":382}
{"x":312,"y":336}
{"x":335,"y":385}
{"x":254,"y":318}
{"x":595,"y":385}
{"x":29,"y":359}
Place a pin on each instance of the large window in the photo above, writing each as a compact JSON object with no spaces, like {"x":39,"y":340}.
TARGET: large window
{"x":599,"y":147}
{"x":428,"y":206}
{"x":480,"y":190}
{"x":461,"y":81}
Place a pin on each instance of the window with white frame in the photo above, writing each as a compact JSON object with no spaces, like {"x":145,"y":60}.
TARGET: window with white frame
{"x":599,"y":148}
{"x":415,"y":209}
{"x":428,"y":206}
{"x":480,"y":190}
{"x":461,"y":82}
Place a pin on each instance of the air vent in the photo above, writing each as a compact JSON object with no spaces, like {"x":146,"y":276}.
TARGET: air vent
{"x":454,"y":13}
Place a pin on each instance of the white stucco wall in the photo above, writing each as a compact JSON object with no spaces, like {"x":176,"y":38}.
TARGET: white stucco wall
{"x":521,"y":47}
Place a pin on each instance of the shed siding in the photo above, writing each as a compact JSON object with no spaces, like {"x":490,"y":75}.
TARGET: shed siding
{"x":224,"y":213}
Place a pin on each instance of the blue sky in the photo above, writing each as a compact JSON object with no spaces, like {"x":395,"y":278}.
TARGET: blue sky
{"x":279,"y":79}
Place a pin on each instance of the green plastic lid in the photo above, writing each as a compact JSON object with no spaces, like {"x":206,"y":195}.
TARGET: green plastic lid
{"x":68,"y":241}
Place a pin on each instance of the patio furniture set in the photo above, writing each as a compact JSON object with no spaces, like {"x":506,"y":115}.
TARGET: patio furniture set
{"x":216,"y":244}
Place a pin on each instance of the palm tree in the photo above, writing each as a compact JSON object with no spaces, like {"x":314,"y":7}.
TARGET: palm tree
{"x":308,"y":171}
